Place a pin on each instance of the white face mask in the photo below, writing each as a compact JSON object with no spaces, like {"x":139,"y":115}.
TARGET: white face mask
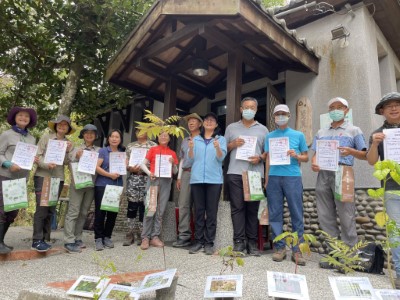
{"x":281,"y":120}
{"x":248,"y":114}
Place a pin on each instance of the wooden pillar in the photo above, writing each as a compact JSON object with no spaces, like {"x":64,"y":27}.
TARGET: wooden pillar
{"x":233,"y":88}
{"x":170,"y":98}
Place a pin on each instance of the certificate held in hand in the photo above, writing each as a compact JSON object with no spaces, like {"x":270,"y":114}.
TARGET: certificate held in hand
{"x":55,"y":152}
{"x":328,"y":155}
{"x":24,"y":155}
{"x":118,"y":163}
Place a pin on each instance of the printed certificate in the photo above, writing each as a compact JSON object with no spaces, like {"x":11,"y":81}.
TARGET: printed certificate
{"x":137,"y":156}
{"x":391,"y":144}
{"x":118,"y":163}
{"x":328,"y":155}
{"x":163,"y":167}
{"x":286,"y":285}
{"x":24,"y":155}
{"x":278,"y":149}
{"x":55,"y":152}
{"x":248,"y":148}
{"x":88,"y":162}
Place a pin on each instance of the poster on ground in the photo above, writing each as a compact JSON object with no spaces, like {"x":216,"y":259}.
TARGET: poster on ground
{"x":287,"y":286}
{"x":345,"y":288}
{"x":220,"y":286}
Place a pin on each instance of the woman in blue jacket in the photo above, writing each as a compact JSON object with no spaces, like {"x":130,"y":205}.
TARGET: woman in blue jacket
{"x":207,"y":151}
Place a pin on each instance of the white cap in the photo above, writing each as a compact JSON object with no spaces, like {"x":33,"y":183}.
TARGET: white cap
{"x":281,"y":107}
{"x":338,"y":99}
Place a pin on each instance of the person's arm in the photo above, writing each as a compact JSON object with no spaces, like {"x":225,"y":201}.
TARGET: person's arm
{"x":359,"y":154}
{"x":266,"y":169}
{"x":314,"y":165}
{"x":373,"y":154}
{"x":102,"y":172}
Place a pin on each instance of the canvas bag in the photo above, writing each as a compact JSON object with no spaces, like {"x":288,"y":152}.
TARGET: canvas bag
{"x":151,"y":200}
{"x":79,"y":179}
{"x":344,"y":184}
{"x":111,"y":198}
{"x":15,"y":194}
{"x":252,"y":186}
{"x":263,"y":215}
{"x":50,"y":189}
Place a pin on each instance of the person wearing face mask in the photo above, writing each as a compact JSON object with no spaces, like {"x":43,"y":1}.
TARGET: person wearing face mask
{"x":351,"y":145}
{"x":244,"y":213}
{"x":284,"y":181}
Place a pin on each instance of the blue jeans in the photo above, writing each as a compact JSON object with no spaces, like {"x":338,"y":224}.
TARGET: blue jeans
{"x":290,"y":187}
{"x":393,"y":210}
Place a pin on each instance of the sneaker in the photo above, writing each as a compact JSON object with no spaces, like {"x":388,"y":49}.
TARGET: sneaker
{"x":397,"y":283}
{"x":99,"y":246}
{"x":252,"y":249}
{"x":72,"y":248}
{"x":145,"y":244}
{"x":40,"y":246}
{"x":297,"y":257}
{"x":196,"y":248}
{"x":156,"y":242}
{"x":279,"y":255}
{"x":80,"y":244}
{"x":209,"y":250}
{"x":4,"y":249}
{"x":108,"y":243}
{"x":239,"y":246}
{"x":179,"y":243}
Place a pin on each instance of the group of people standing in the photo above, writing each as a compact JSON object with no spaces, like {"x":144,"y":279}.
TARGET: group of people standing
{"x":200,"y":178}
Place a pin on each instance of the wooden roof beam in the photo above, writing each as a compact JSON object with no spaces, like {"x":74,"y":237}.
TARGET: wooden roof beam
{"x":230,"y":46}
{"x":170,"y":41}
{"x":182,"y":83}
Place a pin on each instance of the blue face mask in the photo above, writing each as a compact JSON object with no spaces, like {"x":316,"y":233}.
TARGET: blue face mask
{"x":336,"y":115}
{"x":248,"y":114}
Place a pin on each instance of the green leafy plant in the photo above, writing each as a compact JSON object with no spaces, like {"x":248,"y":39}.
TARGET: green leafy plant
{"x":384,"y":171}
{"x":342,"y":257}
{"x":229,"y":258}
{"x":292,"y":240}
{"x":155,"y":126}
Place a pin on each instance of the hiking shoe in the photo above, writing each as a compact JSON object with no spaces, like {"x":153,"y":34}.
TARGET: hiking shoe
{"x":297,"y":257}
{"x":252,"y":249}
{"x":239,"y":246}
{"x":80,"y":244}
{"x":179,"y":243}
{"x":108,"y":243}
{"x":209,"y":249}
{"x":72,"y":248}
{"x":4,"y":249}
{"x":145,"y":244}
{"x":279,"y":255}
{"x":129,"y":239}
{"x":196,"y":248}
{"x":99,"y":246}
{"x":40,"y":246}
{"x":156,"y":242}
{"x":397,"y":283}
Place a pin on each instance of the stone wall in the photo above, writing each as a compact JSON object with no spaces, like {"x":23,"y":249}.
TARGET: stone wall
{"x":366,"y":225}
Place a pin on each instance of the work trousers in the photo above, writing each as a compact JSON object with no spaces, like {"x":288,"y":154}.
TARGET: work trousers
{"x":244,"y":213}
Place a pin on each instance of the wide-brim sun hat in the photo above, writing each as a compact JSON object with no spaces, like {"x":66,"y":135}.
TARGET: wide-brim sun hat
{"x":393,"y":96}
{"x":281,"y":107}
{"x":193,"y":116}
{"x":60,"y":118}
{"x":88,"y":127}
{"x":16,"y":109}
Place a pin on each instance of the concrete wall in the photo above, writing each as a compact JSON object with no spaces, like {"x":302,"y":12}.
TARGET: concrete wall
{"x":351,"y":70}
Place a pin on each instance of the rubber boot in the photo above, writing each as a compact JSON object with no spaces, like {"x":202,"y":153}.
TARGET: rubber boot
{"x":6,"y":226}
{"x":3,"y":248}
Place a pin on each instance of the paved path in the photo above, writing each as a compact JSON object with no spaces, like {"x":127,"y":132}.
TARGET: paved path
{"x":35,"y":274}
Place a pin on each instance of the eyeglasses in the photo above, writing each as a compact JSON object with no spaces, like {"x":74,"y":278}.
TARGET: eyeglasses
{"x":249,"y":107}
{"x":391,"y":106}
{"x":210,"y":120}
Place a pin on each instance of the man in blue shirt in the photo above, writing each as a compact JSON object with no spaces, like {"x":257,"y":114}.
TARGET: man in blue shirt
{"x":284,"y":180}
{"x":351,"y":144}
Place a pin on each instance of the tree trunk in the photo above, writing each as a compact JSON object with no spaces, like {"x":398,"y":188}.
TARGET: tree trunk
{"x":71,"y":86}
